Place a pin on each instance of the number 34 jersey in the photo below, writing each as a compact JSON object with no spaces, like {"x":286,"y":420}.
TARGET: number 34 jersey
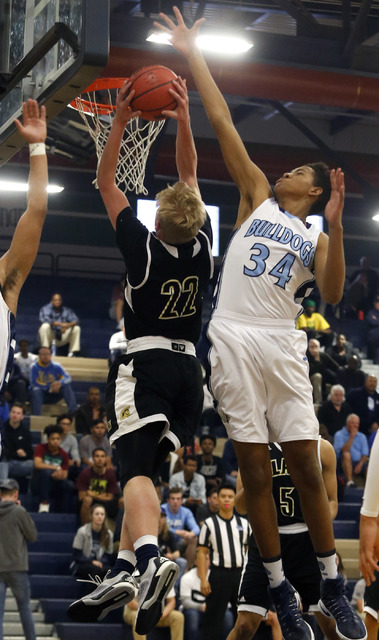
{"x":164,"y":283}
{"x":268,"y":266}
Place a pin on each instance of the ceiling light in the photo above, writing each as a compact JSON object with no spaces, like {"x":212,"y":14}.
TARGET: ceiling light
{"x":8,"y":185}
{"x":376,"y":217}
{"x":223,"y":43}
{"x":230,"y":45}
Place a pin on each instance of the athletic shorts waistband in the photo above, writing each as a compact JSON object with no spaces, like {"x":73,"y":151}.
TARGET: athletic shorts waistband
{"x":255,"y":323}
{"x":159,"y":342}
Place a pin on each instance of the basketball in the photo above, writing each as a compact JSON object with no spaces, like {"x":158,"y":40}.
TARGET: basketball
{"x":151,"y":85}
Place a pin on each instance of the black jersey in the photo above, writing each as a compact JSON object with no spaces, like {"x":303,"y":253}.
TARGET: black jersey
{"x":7,"y":343}
{"x":286,"y":497}
{"x":164,"y":283}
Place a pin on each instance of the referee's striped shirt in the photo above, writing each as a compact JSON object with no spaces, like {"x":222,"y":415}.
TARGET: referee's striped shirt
{"x":226,"y":540}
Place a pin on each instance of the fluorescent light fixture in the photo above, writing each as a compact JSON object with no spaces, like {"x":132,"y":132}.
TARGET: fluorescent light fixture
{"x":159,"y":37}
{"x":221,"y":43}
{"x":9,"y":185}
{"x":376,"y":217}
{"x":146,"y":211}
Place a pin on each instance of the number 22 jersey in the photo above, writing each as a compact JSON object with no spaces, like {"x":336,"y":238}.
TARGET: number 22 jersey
{"x":164,"y":283}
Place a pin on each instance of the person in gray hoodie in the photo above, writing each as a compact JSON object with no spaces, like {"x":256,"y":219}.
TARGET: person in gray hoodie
{"x":17,"y":527}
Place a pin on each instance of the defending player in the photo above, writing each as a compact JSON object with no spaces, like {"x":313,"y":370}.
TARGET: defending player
{"x":16,"y":263}
{"x":300,"y":563}
{"x":369,"y":522}
{"x":154,"y":393}
{"x":270,"y":265}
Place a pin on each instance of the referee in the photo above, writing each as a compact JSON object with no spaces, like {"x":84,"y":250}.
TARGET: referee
{"x":224,"y":536}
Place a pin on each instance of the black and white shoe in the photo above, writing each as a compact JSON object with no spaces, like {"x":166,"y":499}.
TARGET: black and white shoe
{"x":286,"y":601}
{"x":111,"y":593}
{"x":158,"y":579}
{"x":334,"y":604}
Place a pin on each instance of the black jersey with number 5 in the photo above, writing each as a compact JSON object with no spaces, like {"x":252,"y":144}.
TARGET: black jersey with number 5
{"x":164,"y":283}
{"x":286,"y":497}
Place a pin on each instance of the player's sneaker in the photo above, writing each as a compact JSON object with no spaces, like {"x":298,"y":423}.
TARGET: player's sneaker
{"x":155,"y":583}
{"x":286,"y":601}
{"x":334,"y":604}
{"x":110,"y":593}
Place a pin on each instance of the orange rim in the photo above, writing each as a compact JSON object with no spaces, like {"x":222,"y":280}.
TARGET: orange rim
{"x":89,"y":106}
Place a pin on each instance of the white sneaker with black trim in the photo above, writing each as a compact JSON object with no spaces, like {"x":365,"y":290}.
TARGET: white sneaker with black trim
{"x":158,"y":579}
{"x":111,"y":593}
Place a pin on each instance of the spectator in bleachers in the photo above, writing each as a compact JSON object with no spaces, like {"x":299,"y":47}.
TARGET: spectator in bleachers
{"x":17,"y":528}
{"x":322,"y":370}
{"x":93,"y":546}
{"x":70,"y":445}
{"x":372,"y":319}
{"x":95,"y":440}
{"x":334,"y":411}
{"x":182,"y":523}
{"x":17,"y":454}
{"x":351,"y":376}
{"x":17,"y":389}
{"x":191,"y":483}
{"x":89,"y":411}
{"x":230,"y":463}
{"x":364,"y":283}
{"x":24,"y":358}
{"x":365,"y":402}
{"x":61,"y":324}
{"x":98,"y":484}
{"x":116,"y":310}
{"x":314,"y":324}
{"x":117,"y":344}
{"x":170,"y":618}
{"x":168,"y":546}
{"x":49,"y":480}
{"x":50,"y":383}
{"x":209,"y":465}
{"x":341,"y":351}
{"x":351,"y":449}
{"x":210,"y":508}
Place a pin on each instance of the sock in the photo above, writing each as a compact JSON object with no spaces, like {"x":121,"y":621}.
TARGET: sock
{"x":126,"y":561}
{"x":145,"y":547}
{"x":328,"y":564}
{"x":274,"y":570}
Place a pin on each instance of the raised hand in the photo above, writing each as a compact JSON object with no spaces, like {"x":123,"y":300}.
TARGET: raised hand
{"x":334,"y":208}
{"x":182,"y":38}
{"x":181,"y":96}
{"x":33,"y":126}
{"x":124,"y":112}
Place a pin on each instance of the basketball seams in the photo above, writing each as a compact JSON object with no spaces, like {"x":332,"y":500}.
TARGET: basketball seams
{"x":151,"y":85}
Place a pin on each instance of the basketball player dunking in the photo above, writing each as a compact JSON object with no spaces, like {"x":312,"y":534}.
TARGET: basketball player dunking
{"x":270,"y":265}
{"x":154,"y":393}
{"x":16,"y":263}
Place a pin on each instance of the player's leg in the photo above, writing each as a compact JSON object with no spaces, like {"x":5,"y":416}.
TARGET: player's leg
{"x":246,"y":626}
{"x":372,"y":626}
{"x":327,"y":626}
{"x":304,"y":468}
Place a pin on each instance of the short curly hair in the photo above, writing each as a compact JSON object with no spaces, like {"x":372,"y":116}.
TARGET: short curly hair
{"x":321,"y":179}
{"x":181,"y":213}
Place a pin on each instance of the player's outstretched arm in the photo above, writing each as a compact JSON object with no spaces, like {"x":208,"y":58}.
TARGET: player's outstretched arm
{"x":186,"y":156}
{"x":330,"y":257}
{"x":114,"y":199}
{"x":17,"y":262}
{"x":251,"y":181}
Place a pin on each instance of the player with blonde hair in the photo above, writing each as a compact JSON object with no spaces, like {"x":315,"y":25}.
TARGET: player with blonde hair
{"x":154,"y":395}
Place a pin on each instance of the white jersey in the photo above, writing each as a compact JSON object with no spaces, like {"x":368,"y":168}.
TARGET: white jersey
{"x":25,"y":364}
{"x":7,"y":341}
{"x":268,"y":267}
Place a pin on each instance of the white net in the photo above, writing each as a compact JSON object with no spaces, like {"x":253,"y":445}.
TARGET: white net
{"x":135,"y":146}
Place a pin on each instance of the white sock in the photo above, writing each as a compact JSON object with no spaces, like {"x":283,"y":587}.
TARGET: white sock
{"x":127,"y":555}
{"x":274,"y":572}
{"x":328,"y":566}
{"x":145,"y":540}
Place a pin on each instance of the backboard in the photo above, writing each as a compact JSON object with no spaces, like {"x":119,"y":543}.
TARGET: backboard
{"x":50,"y":50}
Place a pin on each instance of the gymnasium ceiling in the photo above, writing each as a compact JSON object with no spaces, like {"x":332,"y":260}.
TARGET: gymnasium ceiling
{"x":307,"y":90}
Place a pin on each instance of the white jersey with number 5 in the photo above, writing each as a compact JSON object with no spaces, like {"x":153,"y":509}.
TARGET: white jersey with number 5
{"x":268,"y":267}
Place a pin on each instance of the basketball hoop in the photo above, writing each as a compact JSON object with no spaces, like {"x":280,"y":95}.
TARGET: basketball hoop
{"x":96,"y":106}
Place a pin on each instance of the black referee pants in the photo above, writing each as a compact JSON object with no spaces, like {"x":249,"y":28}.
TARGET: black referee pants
{"x":224,"y":585}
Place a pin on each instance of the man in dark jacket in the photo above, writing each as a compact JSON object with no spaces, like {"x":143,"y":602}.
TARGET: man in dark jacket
{"x":17,"y":455}
{"x":17,"y":527}
{"x":365,"y":402}
{"x":334,"y":411}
